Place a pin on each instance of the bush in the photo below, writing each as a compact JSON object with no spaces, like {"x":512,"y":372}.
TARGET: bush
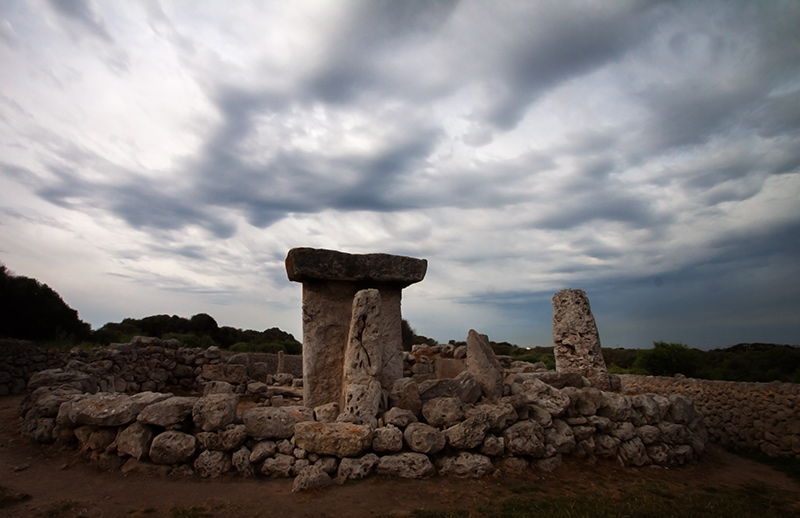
{"x":668,"y":359}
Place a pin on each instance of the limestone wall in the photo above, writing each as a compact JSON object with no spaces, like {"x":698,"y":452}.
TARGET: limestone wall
{"x":19,"y":360}
{"x":759,"y":416}
{"x":438,"y":426}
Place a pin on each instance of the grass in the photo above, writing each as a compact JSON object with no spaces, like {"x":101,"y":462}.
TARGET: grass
{"x":788,"y":465}
{"x":643,"y":499}
{"x":9,"y":497}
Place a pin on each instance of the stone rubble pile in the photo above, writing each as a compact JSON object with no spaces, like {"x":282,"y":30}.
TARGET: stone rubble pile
{"x":757,"y":416}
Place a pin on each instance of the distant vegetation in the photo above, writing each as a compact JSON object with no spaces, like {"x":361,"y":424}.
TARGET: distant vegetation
{"x":30,"y":310}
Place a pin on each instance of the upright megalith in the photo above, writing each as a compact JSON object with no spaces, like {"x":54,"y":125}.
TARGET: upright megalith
{"x":362,"y":394}
{"x":576,"y":340}
{"x":330,"y":281}
{"x":483,"y":365}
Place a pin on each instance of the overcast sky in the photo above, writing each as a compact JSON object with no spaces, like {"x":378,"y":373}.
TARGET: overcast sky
{"x":163,"y":157}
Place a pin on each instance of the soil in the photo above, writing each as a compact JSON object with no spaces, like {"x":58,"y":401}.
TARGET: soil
{"x":61,"y":483}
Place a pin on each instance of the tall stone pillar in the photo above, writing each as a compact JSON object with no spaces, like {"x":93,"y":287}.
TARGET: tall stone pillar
{"x":330,"y":281}
{"x":576,"y":340}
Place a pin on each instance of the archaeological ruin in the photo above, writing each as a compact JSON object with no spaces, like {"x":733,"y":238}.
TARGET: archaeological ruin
{"x":356,"y":404}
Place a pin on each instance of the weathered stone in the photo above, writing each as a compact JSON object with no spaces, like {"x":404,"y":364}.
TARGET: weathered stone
{"x":300,"y":413}
{"x":483,"y":365}
{"x":633,"y":453}
{"x":168,"y":412}
{"x":525,"y":438}
{"x":576,"y":340}
{"x":424,"y":438}
{"x":262,"y":450}
{"x":606,"y":445}
{"x":356,"y":468}
{"x":555,"y":379}
{"x":135,"y":440}
{"x":364,"y":401}
{"x":549,"y":464}
{"x":464,"y":386}
{"x":406,"y":465}
{"x":40,"y":429}
{"x":560,"y":437}
{"x":493,"y":446}
{"x":217,"y":387}
{"x":228,"y":439}
{"x":448,"y":367}
{"x":623,"y":431}
{"x":327,"y":413}
{"x":110,"y":409}
{"x":59,"y":378}
{"x":212,"y":464}
{"x":230,"y":373}
{"x":215,"y":411}
{"x":469,"y":433}
{"x":279,"y":466}
{"x":681,"y":410}
{"x":311,"y":477}
{"x":615,"y":407}
{"x":399,"y":417}
{"x":241,"y":462}
{"x":499,"y":416}
{"x":330,"y":281}
{"x":543,"y":395}
{"x":388,"y":438}
{"x":465,"y":465}
{"x":443,"y":411}
{"x":172,"y":447}
{"x":405,"y":395}
{"x":648,"y":433}
{"x":338,"y":439}
{"x":268,"y":423}
{"x":512,"y":465}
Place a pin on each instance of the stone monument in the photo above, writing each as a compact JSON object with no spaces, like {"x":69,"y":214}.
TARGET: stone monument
{"x":330,"y":281}
{"x":576,"y":340}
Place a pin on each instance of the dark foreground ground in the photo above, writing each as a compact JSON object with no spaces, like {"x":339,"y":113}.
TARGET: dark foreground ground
{"x":45,"y":481}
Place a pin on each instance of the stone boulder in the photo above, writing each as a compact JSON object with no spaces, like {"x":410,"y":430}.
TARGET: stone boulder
{"x":311,"y":477}
{"x":135,"y":440}
{"x":168,"y":412}
{"x":269,"y":422}
{"x":483,"y":365}
{"x":172,"y":447}
{"x":337,"y":439}
{"x":212,"y":464}
{"x":465,"y":465}
{"x":424,"y":438}
{"x":215,"y":411}
{"x":406,"y":465}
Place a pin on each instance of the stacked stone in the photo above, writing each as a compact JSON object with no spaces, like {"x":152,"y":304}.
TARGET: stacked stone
{"x":756,"y":416}
{"x":451,"y":426}
{"x":19,"y":360}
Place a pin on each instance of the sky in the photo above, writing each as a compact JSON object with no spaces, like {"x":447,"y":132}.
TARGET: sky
{"x":162,"y":157}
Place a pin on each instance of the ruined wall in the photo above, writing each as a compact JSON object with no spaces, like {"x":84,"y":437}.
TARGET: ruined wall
{"x":144,"y":364}
{"x":758,"y":416}
{"x":19,"y":360}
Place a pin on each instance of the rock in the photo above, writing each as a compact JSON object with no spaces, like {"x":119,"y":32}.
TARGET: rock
{"x":279,"y":466}
{"x":464,"y":386}
{"x":549,"y":464}
{"x":228,"y":439}
{"x":59,"y":378}
{"x":555,"y":379}
{"x":362,"y":394}
{"x":543,"y":395}
{"x":469,"y":433}
{"x":337,"y":439}
{"x":212,"y":464}
{"x":493,"y":446}
{"x":405,"y":395}
{"x":424,"y":438}
{"x":465,"y":465}
{"x":577,"y":342}
{"x":262,"y":450}
{"x":168,"y":412}
{"x":443,"y":411}
{"x":241,"y":462}
{"x":109,"y":409}
{"x":356,"y":468}
{"x":525,"y":438}
{"x":311,"y":477}
{"x":215,"y":411}
{"x":217,"y":387}
{"x":172,"y":447}
{"x":633,"y":453}
{"x":95,"y":438}
{"x":388,"y":438}
{"x":648,"y":433}
{"x":406,"y":465}
{"x":399,"y":417}
{"x":499,"y":416}
{"x":616,"y":407}
{"x":681,"y":410}
{"x":268,"y":423}
{"x":483,"y":365}
{"x":606,"y":445}
{"x":135,"y":440}
{"x":327,"y":413}
{"x":228,"y":373}
{"x":512,"y":465}
{"x":560,"y":437}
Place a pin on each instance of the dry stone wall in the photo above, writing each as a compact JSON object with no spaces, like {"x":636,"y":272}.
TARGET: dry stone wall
{"x":19,"y":360}
{"x":756,"y":416}
{"x":445,"y":426}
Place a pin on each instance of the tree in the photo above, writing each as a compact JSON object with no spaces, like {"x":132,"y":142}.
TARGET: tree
{"x":30,"y":310}
{"x":668,"y":359}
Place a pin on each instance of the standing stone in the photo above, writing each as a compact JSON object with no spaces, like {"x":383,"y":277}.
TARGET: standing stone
{"x":483,"y":365}
{"x":331,"y":280}
{"x":577,"y":343}
{"x":362,"y":395}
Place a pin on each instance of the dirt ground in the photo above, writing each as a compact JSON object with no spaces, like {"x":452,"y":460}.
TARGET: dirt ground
{"x":52,"y":477}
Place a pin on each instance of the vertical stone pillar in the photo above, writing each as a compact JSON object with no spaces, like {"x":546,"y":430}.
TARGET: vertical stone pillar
{"x":330,"y":281}
{"x":576,"y":340}
{"x":362,"y":393}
